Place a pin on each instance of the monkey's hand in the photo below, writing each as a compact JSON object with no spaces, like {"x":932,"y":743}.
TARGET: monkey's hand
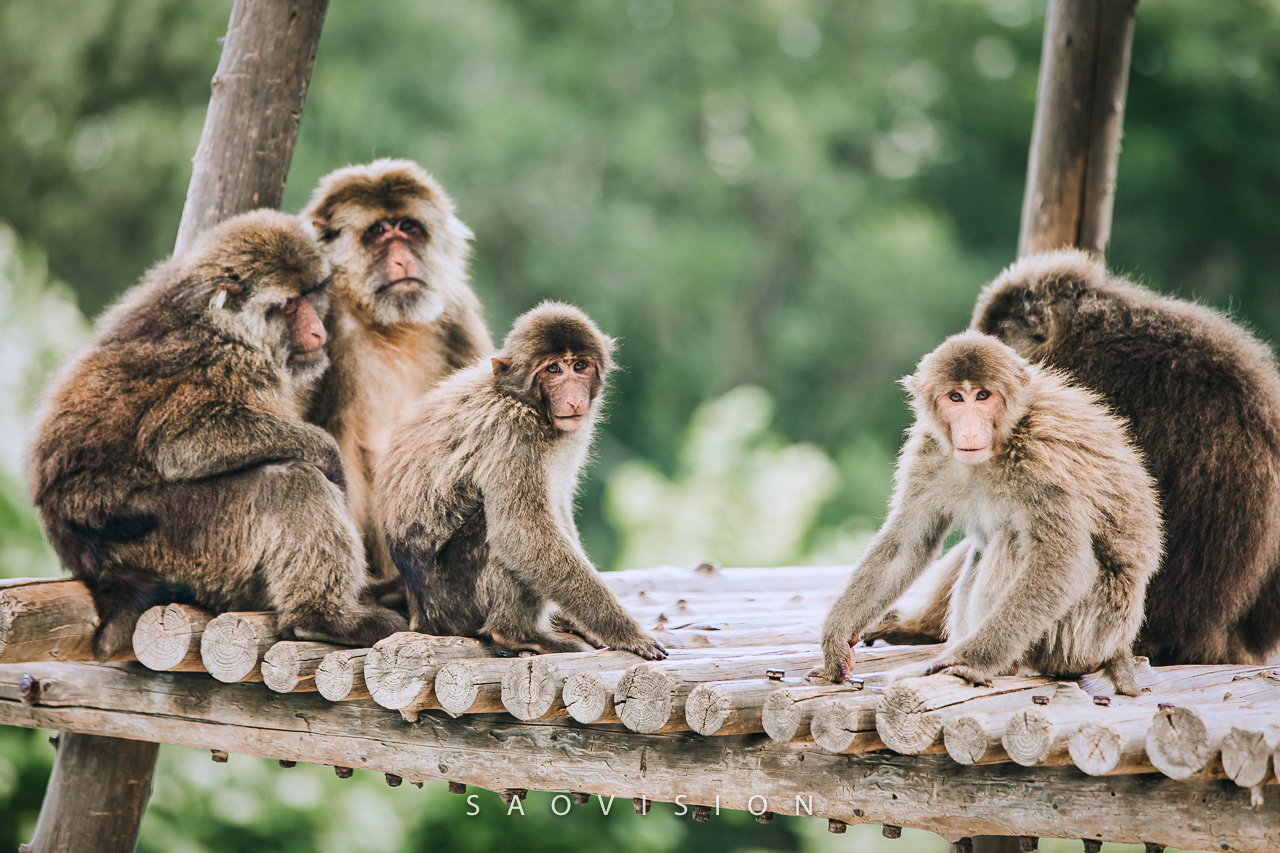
{"x":839,"y":670}
{"x":644,"y":646}
{"x":952,"y":666}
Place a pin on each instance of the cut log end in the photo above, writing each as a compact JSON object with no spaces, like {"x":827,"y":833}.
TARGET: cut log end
{"x":643,"y":699}
{"x":1246,"y":756}
{"x":967,"y":742}
{"x":456,"y":688}
{"x":233,"y":644}
{"x":902,"y":725}
{"x":781,"y":717}
{"x":707,"y":708}
{"x":1178,"y":743}
{"x":586,"y":697}
{"x":167,"y":639}
{"x":340,"y":675}
{"x":1028,"y":737}
{"x":1095,"y":749}
{"x":530,"y":688}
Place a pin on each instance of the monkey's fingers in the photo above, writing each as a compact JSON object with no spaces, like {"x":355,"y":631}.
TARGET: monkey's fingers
{"x":969,"y":674}
{"x":846,"y":665}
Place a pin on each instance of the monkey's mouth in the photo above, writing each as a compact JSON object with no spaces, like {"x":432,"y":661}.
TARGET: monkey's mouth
{"x":568,"y":421}
{"x":401,"y":285}
{"x":307,"y":356}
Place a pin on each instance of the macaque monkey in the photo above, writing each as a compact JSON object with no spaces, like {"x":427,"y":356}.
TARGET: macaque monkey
{"x":404,"y":314}
{"x":1202,"y":398}
{"x":170,"y":458}
{"x":475,"y":495}
{"x":1061,"y":521}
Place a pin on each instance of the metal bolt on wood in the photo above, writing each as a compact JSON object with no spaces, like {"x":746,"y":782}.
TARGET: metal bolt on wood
{"x":1028,"y":843}
{"x":29,"y":690}
{"x":393,"y":780}
{"x":1152,"y":847}
{"x":1092,"y":845}
{"x":1104,"y":701}
{"x":1040,"y":700}
{"x":343,"y":772}
{"x":890,"y":831}
{"x":510,"y":794}
{"x":286,"y":763}
{"x":457,"y":788}
{"x":581,"y":799}
{"x":219,"y":756}
{"x":702,"y":814}
{"x":764,"y":817}
{"x":837,"y":827}
{"x":963,"y":845}
{"x":640,"y":805}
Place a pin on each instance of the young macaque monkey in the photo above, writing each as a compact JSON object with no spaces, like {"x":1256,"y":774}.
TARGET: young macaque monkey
{"x":1060,"y":516}
{"x":170,"y":458}
{"x":475,"y":495}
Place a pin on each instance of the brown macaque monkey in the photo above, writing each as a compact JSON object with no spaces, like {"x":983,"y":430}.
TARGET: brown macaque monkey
{"x":170,"y":459}
{"x":1060,"y":517}
{"x":475,"y":495}
{"x":1202,"y":398}
{"x":404,"y":314}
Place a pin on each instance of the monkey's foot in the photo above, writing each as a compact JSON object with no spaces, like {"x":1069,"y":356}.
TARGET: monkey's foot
{"x":838,"y":673}
{"x":950,"y":666}
{"x":647,"y":648}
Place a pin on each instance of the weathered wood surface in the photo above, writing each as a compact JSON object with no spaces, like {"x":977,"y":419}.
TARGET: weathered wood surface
{"x":111,"y":775}
{"x":167,"y":639}
{"x":400,"y":671}
{"x":666,"y":583}
{"x":1075,"y":141}
{"x":911,"y":717}
{"x":588,"y":696}
{"x":471,"y":686}
{"x":1248,"y":754}
{"x":650,"y":697}
{"x":43,"y":619}
{"x":1186,"y":740}
{"x":290,"y":666}
{"x":234,"y":644}
{"x":340,"y":676}
{"x":732,"y":707}
{"x":930,"y":792}
{"x":255,"y":107}
{"x":846,"y":725}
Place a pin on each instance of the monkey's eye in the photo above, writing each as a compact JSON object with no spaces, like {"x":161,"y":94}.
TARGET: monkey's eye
{"x":553,"y":368}
{"x":580,"y":366}
{"x":984,"y":394}
{"x":955,"y":397}
{"x":377,"y":229}
{"x":408,"y":226}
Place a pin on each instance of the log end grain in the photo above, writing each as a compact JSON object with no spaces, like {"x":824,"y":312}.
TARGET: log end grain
{"x":280,"y":667}
{"x":1095,"y":749}
{"x":966,"y":740}
{"x":707,"y":708}
{"x":829,"y":727}
{"x":168,"y":638}
{"x":1028,"y":737}
{"x":902,"y":723}
{"x":233,"y":644}
{"x":530,"y":688}
{"x":456,"y":688}
{"x":1246,"y":756}
{"x":643,"y":699}
{"x":586,"y":697}
{"x":781,"y":716}
{"x":340,"y":675}
{"x":1178,"y":743}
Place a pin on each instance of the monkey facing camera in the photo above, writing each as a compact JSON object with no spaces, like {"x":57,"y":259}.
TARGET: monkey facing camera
{"x":404,"y":315}
{"x":170,"y":458}
{"x":1061,"y":523}
{"x":475,"y":495}
{"x":1202,"y":398}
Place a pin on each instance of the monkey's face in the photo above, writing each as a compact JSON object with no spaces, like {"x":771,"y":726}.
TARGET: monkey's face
{"x":398,"y":265}
{"x":970,"y":412}
{"x":563,"y":387}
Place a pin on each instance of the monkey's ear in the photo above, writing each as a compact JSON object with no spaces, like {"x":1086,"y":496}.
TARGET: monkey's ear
{"x":908,"y":382}
{"x":500,"y":365}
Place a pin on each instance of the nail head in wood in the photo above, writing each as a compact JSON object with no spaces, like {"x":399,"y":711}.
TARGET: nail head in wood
{"x":1104,"y":701}
{"x":891,"y":831}
{"x":393,"y":781}
{"x":836,"y":826}
{"x":1165,"y":706}
{"x":457,"y":788}
{"x":963,"y":845}
{"x":343,"y":772}
{"x":1152,"y":847}
{"x":286,"y":763}
{"x":219,"y":756}
{"x":764,"y":817}
{"x":640,"y":805}
{"x":774,"y":674}
{"x":1040,"y":700}
{"x":702,"y":814}
{"x":514,"y":794}
{"x":857,"y":683}
{"x":581,"y":799}
{"x":29,"y":690}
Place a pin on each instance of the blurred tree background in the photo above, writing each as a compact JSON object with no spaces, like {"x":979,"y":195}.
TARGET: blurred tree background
{"x":777,"y":205}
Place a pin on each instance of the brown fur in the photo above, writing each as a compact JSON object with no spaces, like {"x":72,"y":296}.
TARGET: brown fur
{"x":475,"y":496}
{"x":1202,"y":397}
{"x":170,"y":459}
{"x":388,"y":348}
{"x":1062,"y":527}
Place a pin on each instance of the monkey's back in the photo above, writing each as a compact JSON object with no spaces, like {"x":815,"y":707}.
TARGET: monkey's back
{"x":1202,"y":397}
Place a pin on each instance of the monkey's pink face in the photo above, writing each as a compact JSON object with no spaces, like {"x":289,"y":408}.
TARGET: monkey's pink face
{"x":970,"y":411}
{"x":567,"y":385}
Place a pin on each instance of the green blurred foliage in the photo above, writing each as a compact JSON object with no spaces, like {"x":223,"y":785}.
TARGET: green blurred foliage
{"x":795,"y":199}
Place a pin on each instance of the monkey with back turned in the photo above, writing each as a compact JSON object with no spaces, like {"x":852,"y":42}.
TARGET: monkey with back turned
{"x":475,"y":495}
{"x":404,"y":315}
{"x":170,"y":459}
{"x":1202,"y":397}
{"x":1061,"y":522}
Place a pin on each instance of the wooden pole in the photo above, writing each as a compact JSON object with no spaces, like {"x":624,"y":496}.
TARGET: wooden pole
{"x":1075,"y":142}
{"x":254,"y":110}
{"x":100,"y":785}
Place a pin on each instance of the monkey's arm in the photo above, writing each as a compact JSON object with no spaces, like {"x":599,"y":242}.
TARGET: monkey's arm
{"x":896,"y":556}
{"x":920,"y":614}
{"x":1049,"y":569}
{"x":525,"y":540}
{"x":211,"y":437}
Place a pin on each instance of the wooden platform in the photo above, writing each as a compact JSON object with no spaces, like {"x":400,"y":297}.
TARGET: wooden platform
{"x":728,"y":720}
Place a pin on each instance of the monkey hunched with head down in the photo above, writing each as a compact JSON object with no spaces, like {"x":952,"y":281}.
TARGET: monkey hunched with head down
{"x":475,"y":495}
{"x":170,"y":459}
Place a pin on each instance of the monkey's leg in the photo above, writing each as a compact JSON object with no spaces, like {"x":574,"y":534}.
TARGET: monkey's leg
{"x":514,"y":616}
{"x":119,"y":602}
{"x":1122,"y":674}
{"x":1032,"y":585}
{"x":920,"y":616}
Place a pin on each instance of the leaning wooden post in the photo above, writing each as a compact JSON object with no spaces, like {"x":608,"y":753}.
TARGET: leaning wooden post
{"x":1075,"y":142}
{"x":99,"y":786}
{"x":1075,"y":147}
